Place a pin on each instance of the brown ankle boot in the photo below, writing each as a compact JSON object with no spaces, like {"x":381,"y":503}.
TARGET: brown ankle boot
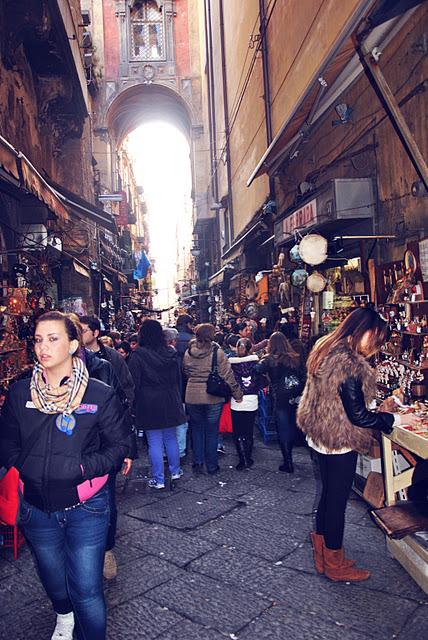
{"x":318,"y":545}
{"x":336,"y":570}
{"x":318,"y":548}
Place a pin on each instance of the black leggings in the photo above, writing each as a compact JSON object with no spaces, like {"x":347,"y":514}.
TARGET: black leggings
{"x":243,"y":423}
{"x":337,"y":475}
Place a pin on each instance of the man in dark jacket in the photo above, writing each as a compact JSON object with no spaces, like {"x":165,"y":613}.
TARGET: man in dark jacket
{"x":91,"y":329}
{"x":107,"y":365}
{"x":185,"y":334}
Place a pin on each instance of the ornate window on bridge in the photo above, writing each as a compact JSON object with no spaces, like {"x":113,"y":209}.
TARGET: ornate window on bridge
{"x":147,"y":31}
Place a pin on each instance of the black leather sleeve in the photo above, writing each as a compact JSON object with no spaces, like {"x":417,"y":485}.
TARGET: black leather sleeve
{"x":352,"y":396}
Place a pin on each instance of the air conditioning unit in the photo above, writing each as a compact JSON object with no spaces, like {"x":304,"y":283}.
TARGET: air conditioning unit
{"x":33,"y":237}
{"x":86,"y":17}
{"x":86,"y":40}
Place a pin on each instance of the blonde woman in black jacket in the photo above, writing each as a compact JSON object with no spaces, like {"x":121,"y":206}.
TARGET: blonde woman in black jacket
{"x":82,"y":435}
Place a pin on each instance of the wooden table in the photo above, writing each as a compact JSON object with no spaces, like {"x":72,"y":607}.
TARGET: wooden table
{"x":407,"y":551}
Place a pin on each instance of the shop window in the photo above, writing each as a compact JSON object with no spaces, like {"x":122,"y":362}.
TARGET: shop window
{"x":147,"y":32}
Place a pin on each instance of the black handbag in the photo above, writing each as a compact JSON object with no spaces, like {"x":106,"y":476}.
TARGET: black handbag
{"x":216,"y":386}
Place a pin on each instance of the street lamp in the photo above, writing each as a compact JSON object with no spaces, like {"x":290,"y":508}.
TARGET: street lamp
{"x":195,"y":250}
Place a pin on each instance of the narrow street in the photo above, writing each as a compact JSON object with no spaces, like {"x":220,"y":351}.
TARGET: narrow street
{"x":229,"y":556}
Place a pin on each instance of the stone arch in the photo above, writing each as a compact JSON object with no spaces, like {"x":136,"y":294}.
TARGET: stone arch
{"x":142,"y":103}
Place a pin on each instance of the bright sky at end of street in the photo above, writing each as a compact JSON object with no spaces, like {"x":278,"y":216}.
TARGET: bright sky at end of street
{"x":161,"y":162}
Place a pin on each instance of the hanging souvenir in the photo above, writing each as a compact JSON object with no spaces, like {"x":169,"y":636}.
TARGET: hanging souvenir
{"x":295,"y":255}
{"x":316,"y":282}
{"x":313,"y":249}
{"x":252,"y":310}
{"x":251,"y":289}
{"x":298,"y":277}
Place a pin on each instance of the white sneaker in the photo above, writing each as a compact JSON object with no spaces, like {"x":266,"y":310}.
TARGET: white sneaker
{"x":154,"y":484}
{"x":64,"y":626}
{"x":176,"y":476}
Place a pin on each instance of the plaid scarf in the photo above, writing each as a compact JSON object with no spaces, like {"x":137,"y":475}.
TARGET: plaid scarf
{"x":63,"y":399}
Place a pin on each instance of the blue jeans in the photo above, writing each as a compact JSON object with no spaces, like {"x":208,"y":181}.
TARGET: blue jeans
{"x":204,"y":421}
{"x":286,"y":425}
{"x":182,"y":438}
{"x":69,"y":547}
{"x":157,"y":439}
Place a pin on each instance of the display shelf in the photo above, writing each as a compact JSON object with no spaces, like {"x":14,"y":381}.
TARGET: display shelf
{"x":411,"y":555}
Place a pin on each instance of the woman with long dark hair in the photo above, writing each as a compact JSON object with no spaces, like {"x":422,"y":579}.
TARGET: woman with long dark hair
{"x":158,"y":407}
{"x":66,"y":432}
{"x":204,"y":409}
{"x":334,"y":413}
{"x":284,"y":368}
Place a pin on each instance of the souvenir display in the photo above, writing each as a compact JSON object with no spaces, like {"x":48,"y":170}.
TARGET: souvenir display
{"x":313,"y":249}
{"x":298,"y":277}
{"x":295,"y":255}
{"x":316,"y":282}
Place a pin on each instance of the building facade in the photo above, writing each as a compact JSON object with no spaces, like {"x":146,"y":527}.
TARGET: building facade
{"x":330,"y":111}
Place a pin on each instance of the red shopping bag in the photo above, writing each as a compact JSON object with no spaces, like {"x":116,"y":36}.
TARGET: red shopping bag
{"x":226,"y":419}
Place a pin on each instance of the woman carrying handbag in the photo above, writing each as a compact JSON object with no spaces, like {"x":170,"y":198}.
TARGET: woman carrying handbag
{"x":82,"y":435}
{"x":204,"y":362}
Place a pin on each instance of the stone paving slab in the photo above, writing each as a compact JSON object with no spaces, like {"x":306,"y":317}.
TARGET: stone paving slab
{"x":20,"y":590}
{"x":134,"y":580}
{"x":7,"y":568}
{"x":126,"y":524}
{"x":188,"y":630}
{"x":169,"y":544}
{"x":273,"y":522}
{"x":248,"y":537}
{"x":126,"y":552}
{"x":240,"y":569}
{"x":353,"y":607}
{"x":140,"y":619}
{"x":281,"y":622}
{"x":209,"y":602}
{"x":35,"y":621}
{"x":416,"y":626}
{"x":185,"y":510}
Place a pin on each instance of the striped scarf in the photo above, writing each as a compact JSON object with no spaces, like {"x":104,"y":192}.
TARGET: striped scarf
{"x":63,"y":399}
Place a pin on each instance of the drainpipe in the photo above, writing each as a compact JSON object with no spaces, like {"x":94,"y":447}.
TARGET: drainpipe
{"x":267,"y":96}
{"x":226,"y":122}
{"x":211,"y":101}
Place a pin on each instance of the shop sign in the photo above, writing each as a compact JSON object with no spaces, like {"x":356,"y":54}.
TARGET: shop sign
{"x":301,"y":218}
{"x":123,"y":217}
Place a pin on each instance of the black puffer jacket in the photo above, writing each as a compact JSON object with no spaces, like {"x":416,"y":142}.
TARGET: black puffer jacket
{"x":158,"y":403}
{"x":59,"y":463}
{"x":103,"y":370}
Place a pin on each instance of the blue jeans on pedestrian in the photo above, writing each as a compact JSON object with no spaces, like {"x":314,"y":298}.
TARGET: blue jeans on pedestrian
{"x":157,"y":440}
{"x":182,"y":438}
{"x":68,"y":546}
{"x":204,"y":421}
{"x":286,"y":425}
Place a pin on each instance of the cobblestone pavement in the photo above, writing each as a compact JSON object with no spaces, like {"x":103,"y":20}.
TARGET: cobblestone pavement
{"x":228,"y":556}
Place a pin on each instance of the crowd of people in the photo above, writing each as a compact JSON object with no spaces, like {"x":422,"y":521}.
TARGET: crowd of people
{"x":74,"y":425}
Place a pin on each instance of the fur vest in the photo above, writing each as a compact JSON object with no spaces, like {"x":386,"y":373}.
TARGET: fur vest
{"x":321,"y":414}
